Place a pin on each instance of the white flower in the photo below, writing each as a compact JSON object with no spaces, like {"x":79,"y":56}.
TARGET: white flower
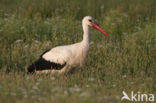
{"x":36,"y":41}
{"x":92,"y":79}
{"x":18,"y":41}
{"x":48,"y":43}
{"x":125,"y":15}
{"x":26,"y":47}
{"x":86,"y":94}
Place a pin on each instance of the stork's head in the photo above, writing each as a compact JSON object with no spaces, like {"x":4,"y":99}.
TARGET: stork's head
{"x":88,"y":20}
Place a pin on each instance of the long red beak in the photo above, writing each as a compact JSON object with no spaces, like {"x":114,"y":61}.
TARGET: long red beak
{"x":96,"y":26}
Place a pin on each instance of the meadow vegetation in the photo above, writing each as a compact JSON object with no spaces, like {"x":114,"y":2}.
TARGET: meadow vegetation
{"x":126,"y":61}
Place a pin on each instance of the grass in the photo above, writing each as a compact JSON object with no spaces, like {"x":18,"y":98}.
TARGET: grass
{"x":126,"y":61}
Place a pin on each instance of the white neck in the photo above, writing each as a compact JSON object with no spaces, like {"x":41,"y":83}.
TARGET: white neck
{"x":86,"y":33}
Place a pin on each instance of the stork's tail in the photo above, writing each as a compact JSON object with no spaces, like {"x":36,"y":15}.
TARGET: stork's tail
{"x":36,"y":65}
{"x":31,"y":69}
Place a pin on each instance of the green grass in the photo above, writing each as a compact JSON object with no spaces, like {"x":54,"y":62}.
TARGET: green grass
{"x":126,"y":61}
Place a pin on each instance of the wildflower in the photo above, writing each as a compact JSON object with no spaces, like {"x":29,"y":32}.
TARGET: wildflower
{"x":18,"y":41}
{"x":92,"y":79}
{"x":48,"y":43}
{"x":125,"y":15}
{"x":26,"y":47}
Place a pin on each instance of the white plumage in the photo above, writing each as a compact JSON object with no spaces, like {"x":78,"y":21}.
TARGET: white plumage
{"x":64,"y":59}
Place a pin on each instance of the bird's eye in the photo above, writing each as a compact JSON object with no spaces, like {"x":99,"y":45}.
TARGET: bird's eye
{"x":90,"y":20}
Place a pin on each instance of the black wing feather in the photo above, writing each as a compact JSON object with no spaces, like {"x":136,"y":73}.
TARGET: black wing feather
{"x":42,"y":64}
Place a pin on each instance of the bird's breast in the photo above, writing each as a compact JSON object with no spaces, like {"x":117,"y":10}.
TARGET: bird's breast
{"x":79,"y":56}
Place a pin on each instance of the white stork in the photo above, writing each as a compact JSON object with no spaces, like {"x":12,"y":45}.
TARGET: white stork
{"x":64,"y":59}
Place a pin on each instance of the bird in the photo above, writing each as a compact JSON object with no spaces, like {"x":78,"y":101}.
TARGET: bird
{"x":65,"y":59}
